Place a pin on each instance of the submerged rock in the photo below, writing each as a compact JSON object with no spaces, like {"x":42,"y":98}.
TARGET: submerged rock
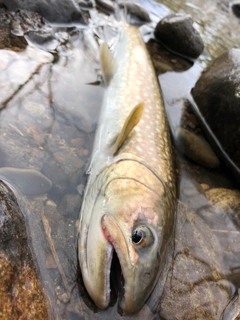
{"x":28,"y":181}
{"x":177,"y":33}
{"x":196,"y":148}
{"x":217,"y":94}
{"x":226,"y":200}
{"x":195,"y":287}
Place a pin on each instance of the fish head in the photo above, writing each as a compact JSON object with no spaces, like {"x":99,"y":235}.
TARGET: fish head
{"x":134,"y":224}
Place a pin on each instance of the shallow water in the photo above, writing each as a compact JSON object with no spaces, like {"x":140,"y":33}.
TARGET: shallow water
{"x":50,"y":99}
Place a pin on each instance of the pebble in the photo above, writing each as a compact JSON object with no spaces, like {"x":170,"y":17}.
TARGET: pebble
{"x":205,"y":186}
{"x":106,"y":5}
{"x":69,"y":205}
{"x":196,"y":148}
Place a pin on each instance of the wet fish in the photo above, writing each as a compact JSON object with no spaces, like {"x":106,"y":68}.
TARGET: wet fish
{"x":129,"y":202}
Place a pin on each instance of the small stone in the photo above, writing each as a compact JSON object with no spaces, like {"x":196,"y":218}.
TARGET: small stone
{"x":77,"y":142}
{"x":64,"y":298}
{"x":77,"y":223}
{"x":226,"y":200}
{"x":106,"y":5}
{"x":196,"y":148}
{"x":35,"y":109}
{"x":205,"y":186}
{"x":51,"y":203}
{"x":85,"y":152}
{"x":69,"y":205}
{"x":50,"y":262}
{"x":177,"y":33}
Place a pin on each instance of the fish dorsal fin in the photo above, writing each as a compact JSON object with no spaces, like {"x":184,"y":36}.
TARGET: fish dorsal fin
{"x":131,"y":121}
{"x":108,"y":63}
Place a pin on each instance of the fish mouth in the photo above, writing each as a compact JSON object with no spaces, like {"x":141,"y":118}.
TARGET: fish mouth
{"x":109,"y":267}
{"x":116,"y":280}
{"x":123,"y":263}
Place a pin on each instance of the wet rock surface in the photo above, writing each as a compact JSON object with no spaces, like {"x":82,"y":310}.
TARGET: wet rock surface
{"x":177,"y":33}
{"x":54,"y":11}
{"x":217,"y":94}
{"x":226,"y":200}
{"x":183,"y":288}
{"x":21,"y":293}
{"x":164,"y":61}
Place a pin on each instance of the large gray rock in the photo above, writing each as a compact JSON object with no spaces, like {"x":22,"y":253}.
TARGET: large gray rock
{"x":217,"y":94}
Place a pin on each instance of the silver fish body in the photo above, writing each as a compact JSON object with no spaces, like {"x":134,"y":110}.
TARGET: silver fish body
{"x":129,"y":202}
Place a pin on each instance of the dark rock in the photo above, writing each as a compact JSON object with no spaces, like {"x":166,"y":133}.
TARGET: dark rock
{"x":3,"y":8}
{"x":235,"y":6}
{"x":217,"y":94}
{"x":177,"y":33}
{"x":164,"y":61}
{"x":85,"y":4}
{"x":58,"y":11}
{"x":69,"y":206}
{"x":106,"y":5}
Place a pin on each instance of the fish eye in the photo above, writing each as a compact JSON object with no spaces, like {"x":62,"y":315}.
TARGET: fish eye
{"x":142,"y":236}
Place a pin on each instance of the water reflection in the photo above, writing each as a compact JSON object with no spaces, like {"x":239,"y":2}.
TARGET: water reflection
{"x":48,"y":119}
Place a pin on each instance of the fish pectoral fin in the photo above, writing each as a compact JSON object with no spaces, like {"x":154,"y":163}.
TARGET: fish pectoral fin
{"x":108,"y":63}
{"x":131,"y":121}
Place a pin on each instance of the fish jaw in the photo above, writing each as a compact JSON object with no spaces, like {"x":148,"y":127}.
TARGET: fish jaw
{"x":136,"y":272}
{"x":124,"y":206}
{"x":95,"y":256}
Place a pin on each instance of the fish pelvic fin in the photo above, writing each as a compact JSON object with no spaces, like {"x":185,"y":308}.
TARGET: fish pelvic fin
{"x":132,"y":120}
{"x":108,"y":63}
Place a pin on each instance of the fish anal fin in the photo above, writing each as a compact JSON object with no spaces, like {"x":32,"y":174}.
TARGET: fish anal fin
{"x":131,"y":121}
{"x":108,"y":63}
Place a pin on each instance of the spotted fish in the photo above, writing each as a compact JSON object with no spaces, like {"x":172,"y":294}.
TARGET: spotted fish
{"x":129,"y":201}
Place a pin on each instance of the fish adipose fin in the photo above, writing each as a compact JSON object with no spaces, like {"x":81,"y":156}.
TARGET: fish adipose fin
{"x":108,"y":63}
{"x":131,"y":121}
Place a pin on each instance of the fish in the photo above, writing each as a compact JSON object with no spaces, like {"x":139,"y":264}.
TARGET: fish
{"x":129,"y":203}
